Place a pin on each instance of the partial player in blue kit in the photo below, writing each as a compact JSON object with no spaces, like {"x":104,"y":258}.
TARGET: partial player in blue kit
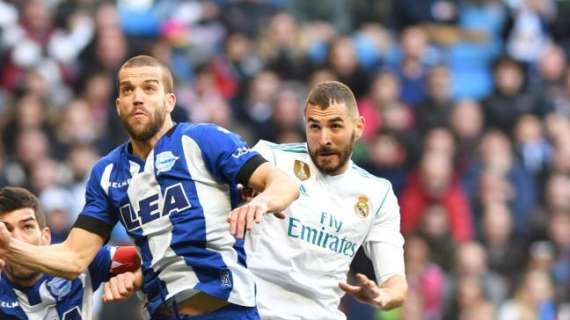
{"x":27,"y":294}
{"x":174,"y":189}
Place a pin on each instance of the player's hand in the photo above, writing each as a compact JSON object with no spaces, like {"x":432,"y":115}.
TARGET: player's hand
{"x":242,"y":218}
{"x":122,"y":286}
{"x":367,"y":291}
{"x":5,"y":237}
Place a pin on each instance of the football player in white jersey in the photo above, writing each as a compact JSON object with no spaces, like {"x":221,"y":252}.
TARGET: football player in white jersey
{"x":174,"y":187}
{"x":27,"y":294}
{"x":301,"y":263}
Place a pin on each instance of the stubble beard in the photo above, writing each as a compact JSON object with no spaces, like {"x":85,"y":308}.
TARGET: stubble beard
{"x":343,"y":157}
{"x":20,"y":274}
{"x":149,"y":130}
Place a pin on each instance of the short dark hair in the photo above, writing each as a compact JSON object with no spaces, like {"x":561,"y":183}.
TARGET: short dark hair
{"x":14,"y":198}
{"x":330,"y":92}
{"x":148,"y":61}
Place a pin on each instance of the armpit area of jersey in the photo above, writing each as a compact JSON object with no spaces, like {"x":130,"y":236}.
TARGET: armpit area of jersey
{"x":248,"y":168}
{"x":94,"y":225}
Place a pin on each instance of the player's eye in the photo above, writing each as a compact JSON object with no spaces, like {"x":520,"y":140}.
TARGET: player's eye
{"x":314,"y":126}
{"x":150,"y":88}
{"x":126,"y":90}
{"x":28,"y":227}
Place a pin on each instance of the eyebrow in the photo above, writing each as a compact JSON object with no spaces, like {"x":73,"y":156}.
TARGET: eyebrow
{"x":336,"y":119}
{"x":30,"y":219}
{"x":128,"y":83}
{"x":10,"y":226}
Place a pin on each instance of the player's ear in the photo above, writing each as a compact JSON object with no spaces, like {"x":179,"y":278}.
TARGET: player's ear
{"x":46,"y":236}
{"x":117,"y":106}
{"x":359,"y":127}
{"x":170,"y":101}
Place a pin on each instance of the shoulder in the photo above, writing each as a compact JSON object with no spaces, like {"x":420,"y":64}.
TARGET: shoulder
{"x":104,"y":167}
{"x":283,"y":147}
{"x":369,"y":177}
{"x":202,"y":130}
{"x":112,"y":158}
{"x":367,"y":181}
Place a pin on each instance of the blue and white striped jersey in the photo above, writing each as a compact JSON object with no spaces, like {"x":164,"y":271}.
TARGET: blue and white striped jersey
{"x":54,"y":298}
{"x":175,"y":205}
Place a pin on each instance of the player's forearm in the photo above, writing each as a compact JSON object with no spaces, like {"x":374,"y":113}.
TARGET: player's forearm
{"x":56,"y":260}
{"x":395,"y":289}
{"x":279,"y":191}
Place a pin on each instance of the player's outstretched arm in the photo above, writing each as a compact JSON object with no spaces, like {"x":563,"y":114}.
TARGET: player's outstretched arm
{"x":67,"y":259}
{"x":277,"y":191}
{"x":390,"y":294}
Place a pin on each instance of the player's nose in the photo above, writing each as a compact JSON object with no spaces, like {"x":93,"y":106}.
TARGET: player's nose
{"x":325,"y":138}
{"x":138,"y":96}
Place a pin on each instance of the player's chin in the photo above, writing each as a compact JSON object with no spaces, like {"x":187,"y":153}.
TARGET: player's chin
{"x":328,"y":165}
{"x":20,"y":273}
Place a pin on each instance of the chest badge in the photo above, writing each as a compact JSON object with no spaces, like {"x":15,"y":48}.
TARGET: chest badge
{"x":301,"y":170}
{"x":361,"y":207}
{"x":164,"y":161}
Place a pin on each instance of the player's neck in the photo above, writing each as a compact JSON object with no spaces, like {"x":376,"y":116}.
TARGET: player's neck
{"x":141,"y":149}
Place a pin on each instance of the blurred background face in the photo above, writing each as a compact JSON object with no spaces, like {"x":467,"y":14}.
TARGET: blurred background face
{"x":283,"y":29}
{"x":440,"y":141}
{"x":30,"y":112}
{"x":414,"y":42}
{"x":528,"y":129}
{"x":439,"y":84}
{"x":435,"y":224}
{"x":559,"y":228}
{"x":552,"y":63}
{"x":385,"y":88}
{"x":495,"y":152}
{"x":32,"y":146}
{"x":23,"y":226}
{"x":471,"y":259}
{"x":509,"y":79}
{"x":343,"y":56}
{"x":558,"y":192}
{"x":287,"y":111}
{"x":435,"y":173}
{"x":497,"y":223}
{"x":386,"y":151}
{"x":467,"y":119}
{"x":537,"y":287}
{"x":37,"y":16}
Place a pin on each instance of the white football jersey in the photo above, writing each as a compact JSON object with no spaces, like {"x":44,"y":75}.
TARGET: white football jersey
{"x":298,"y":262}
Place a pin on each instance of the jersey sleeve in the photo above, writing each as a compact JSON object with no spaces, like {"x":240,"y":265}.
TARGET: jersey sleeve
{"x":384,"y":244}
{"x":111,"y":261}
{"x":227,"y":155}
{"x":97,"y":215}
{"x":99,"y":268}
{"x":264,"y":149}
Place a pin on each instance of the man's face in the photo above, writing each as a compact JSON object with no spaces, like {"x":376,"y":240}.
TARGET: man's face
{"x":23,"y":226}
{"x":143,"y":104}
{"x":331,"y":135}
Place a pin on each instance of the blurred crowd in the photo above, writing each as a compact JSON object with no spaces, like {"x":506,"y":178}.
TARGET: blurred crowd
{"x":466,"y":103}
